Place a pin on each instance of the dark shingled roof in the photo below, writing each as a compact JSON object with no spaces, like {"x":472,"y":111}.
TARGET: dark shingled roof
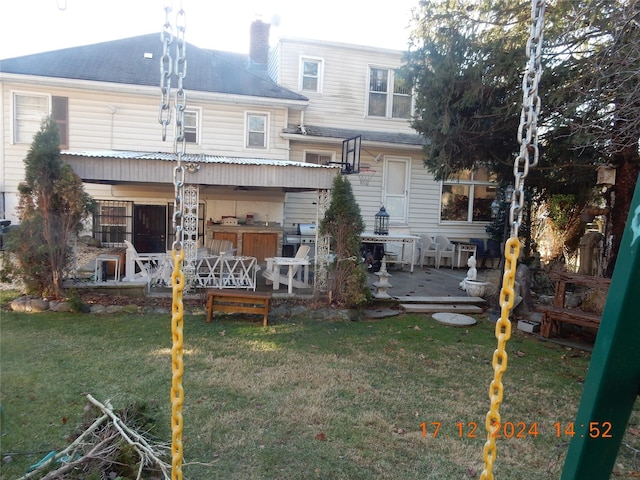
{"x":367,"y":135}
{"x":123,"y":61}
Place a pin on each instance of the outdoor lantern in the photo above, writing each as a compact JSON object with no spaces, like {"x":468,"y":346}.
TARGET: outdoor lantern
{"x":495,"y":208}
{"x":382,"y":222}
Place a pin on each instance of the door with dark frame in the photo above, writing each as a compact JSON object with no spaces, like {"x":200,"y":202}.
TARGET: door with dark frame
{"x":149,"y":228}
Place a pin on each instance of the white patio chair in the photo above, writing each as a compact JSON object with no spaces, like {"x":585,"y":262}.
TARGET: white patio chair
{"x":273,"y":273}
{"x":446,"y":249}
{"x":220,"y":247}
{"x":154,"y":267}
{"x":428,"y":249}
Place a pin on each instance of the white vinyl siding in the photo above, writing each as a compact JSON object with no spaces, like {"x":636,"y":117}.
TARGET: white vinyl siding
{"x":343,"y":100}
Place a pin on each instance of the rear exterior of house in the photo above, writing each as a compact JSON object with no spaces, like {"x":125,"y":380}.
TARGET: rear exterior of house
{"x":263,"y":140}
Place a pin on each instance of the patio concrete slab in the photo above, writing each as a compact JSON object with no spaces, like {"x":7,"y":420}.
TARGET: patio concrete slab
{"x":439,"y":307}
{"x":425,"y":299}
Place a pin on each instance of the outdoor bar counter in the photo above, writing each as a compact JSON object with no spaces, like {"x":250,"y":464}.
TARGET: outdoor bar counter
{"x":260,"y":241}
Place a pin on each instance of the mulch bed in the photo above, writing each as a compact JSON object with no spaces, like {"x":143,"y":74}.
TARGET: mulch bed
{"x":90,"y":298}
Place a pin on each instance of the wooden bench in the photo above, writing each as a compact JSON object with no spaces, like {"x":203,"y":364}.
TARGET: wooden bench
{"x":558,"y":313}
{"x":238,"y":302}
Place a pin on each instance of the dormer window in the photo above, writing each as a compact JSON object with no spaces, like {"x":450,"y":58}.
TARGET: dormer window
{"x":311,"y":75}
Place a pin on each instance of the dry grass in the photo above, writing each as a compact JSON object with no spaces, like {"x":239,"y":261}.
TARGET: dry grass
{"x":307,"y":399}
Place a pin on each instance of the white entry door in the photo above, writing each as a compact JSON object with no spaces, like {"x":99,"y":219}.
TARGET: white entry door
{"x":396,"y":189}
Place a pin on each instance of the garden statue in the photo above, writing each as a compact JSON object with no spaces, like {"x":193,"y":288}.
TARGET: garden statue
{"x":472,"y":273}
{"x":589,"y":252}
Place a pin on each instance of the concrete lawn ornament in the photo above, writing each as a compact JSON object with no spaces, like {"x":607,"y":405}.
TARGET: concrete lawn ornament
{"x":472,"y":273}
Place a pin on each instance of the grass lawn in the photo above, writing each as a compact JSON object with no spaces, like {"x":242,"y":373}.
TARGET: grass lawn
{"x":305,"y":399}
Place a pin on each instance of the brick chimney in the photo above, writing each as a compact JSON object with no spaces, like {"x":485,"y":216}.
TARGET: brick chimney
{"x":259,"y":45}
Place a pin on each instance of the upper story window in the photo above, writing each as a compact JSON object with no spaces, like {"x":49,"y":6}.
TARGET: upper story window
{"x":319,"y":158}
{"x":468,"y":197}
{"x":191,"y":126}
{"x":389,"y":95}
{"x":30,"y":109}
{"x":256,"y":131}
{"x":311,"y":75}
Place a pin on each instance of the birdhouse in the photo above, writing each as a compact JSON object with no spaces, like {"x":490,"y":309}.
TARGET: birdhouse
{"x":606,"y":176}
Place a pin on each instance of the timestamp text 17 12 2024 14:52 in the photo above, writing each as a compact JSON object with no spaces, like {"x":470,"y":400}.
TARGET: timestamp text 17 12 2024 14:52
{"x":518,"y":430}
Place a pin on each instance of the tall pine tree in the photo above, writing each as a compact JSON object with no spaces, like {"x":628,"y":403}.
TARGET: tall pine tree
{"x":52,"y":205}
{"x":344,"y":224}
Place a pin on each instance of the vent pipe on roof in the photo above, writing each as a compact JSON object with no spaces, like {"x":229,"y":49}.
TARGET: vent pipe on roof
{"x":301,"y":127}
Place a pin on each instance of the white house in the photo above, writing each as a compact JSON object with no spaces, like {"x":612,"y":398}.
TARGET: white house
{"x":265,"y":133}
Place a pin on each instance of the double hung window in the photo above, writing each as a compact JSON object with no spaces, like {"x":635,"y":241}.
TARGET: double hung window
{"x":311,"y":75}
{"x":257,"y":128}
{"x":30,"y":109}
{"x":389,"y":94}
{"x":191,"y":126}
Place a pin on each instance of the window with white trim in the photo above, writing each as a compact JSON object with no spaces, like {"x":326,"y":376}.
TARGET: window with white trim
{"x":310,"y":75}
{"x":468,"y":197}
{"x":257,"y":128}
{"x":389,"y":94}
{"x":28,"y":113}
{"x":30,"y":109}
{"x":191,"y":126}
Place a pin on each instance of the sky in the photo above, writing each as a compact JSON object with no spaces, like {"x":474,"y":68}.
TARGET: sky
{"x":34,"y":26}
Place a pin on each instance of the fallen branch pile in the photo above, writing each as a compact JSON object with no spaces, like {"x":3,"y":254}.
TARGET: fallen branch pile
{"x":108,"y":445}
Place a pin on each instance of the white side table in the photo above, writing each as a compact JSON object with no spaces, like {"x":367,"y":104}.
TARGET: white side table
{"x":103,"y":260}
{"x":468,"y":248}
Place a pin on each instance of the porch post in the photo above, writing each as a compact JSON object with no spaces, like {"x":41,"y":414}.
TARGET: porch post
{"x":320,"y":279}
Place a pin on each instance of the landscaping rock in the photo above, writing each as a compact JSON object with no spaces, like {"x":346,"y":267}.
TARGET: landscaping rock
{"x":39,"y":305}
{"x":130,"y":309}
{"x":113,"y":309}
{"x":61,"y":307}
{"x":20,"y":304}
{"x":298,"y":310}
{"x":98,"y":309}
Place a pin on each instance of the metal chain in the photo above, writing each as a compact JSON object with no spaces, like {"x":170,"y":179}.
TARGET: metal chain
{"x":177,"y":255}
{"x":166,"y":66}
{"x":527,"y":158}
{"x":177,"y":364}
{"x":528,"y":128}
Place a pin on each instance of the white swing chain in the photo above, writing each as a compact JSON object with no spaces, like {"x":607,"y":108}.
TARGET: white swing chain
{"x":528,"y":128}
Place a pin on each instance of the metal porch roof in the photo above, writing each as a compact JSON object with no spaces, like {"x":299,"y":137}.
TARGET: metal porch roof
{"x":118,"y":167}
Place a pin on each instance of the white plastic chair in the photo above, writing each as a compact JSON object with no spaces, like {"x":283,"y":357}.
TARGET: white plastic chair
{"x":428,"y":249}
{"x":446,"y":249}
{"x":273,"y":274}
{"x":220,"y":247}
{"x":153,"y":266}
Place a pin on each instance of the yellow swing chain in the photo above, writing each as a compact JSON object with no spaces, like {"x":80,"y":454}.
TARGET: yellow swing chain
{"x":528,"y":157}
{"x":177,"y":254}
